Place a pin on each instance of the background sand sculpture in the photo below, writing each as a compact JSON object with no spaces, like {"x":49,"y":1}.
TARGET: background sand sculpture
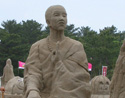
{"x":7,"y":73}
{"x":100,"y":87}
{"x":117,"y":87}
{"x":13,"y":84}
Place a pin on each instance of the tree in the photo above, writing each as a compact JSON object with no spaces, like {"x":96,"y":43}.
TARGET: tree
{"x":17,"y":39}
{"x":30,"y":31}
{"x":102,"y":48}
{"x":71,"y":31}
{"x":107,"y":49}
{"x":11,"y":26}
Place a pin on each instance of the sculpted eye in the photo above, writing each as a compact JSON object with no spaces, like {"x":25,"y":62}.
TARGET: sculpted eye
{"x":56,"y":14}
{"x":101,"y":82}
{"x":64,"y":15}
{"x":107,"y":83}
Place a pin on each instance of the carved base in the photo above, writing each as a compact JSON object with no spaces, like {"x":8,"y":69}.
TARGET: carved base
{"x":12,"y":96}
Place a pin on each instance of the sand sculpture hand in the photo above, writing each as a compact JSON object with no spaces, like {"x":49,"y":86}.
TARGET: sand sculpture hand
{"x":33,"y":94}
{"x":56,"y":54}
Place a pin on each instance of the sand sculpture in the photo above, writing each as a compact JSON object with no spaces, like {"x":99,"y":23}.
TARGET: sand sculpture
{"x":7,"y":73}
{"x":117,"y":87}
{"x":14,"y":88}
{"x":13,"y":85}
{"x":57,"y":65}
{"x":100,"y":87}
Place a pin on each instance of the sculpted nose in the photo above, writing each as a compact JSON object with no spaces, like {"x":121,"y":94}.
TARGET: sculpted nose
{"x":61,"y":17}
{"x":105,"y":87}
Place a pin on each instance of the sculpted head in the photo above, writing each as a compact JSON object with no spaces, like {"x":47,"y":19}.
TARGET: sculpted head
{"x":9,"y":62}
{"x":56,"y":17}
{"x":100,"y":85}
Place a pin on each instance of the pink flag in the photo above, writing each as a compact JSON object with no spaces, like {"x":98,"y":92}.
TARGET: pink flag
{"x":21,"y":65}
{"x":104,"y":70}
{"x":89,"y":67}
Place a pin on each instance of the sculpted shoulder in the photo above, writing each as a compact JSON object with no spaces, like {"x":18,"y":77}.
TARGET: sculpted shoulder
{"x":39,"y":43}
{"x":75,"y":42}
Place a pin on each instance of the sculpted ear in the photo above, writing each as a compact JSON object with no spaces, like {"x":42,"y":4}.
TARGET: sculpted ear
{"x":48,"y":22}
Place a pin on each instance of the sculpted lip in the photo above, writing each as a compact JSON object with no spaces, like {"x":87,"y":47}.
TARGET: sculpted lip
{"x":61,"y":23}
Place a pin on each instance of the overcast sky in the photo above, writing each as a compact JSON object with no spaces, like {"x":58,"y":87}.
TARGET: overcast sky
{"x":96,"y":14}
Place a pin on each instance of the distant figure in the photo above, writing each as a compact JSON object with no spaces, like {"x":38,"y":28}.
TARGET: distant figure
{"x":117,"y":87}
{"x":7,"y":73}
{"x":57,"y":66}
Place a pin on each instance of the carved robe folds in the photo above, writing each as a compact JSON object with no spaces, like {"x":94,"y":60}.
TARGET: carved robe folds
{"x":68,"y":78}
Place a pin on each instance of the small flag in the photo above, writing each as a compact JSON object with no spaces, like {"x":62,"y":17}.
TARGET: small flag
{"x":21,"y":64}
{"x":104,"y":70}
{"x":89,"y":67}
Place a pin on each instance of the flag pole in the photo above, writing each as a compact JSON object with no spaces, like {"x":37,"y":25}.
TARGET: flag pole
{"x":18,"y":71}
{"x":18,"y":68}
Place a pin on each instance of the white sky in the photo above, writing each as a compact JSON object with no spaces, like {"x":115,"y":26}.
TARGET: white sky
{"x":96,"y":14}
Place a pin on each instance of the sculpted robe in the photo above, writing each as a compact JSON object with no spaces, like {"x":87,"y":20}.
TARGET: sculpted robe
{"x":68,"y":78}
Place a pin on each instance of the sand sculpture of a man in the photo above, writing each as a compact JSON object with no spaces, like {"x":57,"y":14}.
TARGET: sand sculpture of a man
{"x":57,"y":65}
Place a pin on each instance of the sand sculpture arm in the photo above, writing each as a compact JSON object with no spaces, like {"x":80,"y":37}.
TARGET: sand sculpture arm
{"x":32,"y":72}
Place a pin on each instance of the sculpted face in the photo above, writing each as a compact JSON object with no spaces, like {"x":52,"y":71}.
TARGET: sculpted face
{"x":100,"y":85}
{"x":103,"y":87}
{"x":58,"y":19}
